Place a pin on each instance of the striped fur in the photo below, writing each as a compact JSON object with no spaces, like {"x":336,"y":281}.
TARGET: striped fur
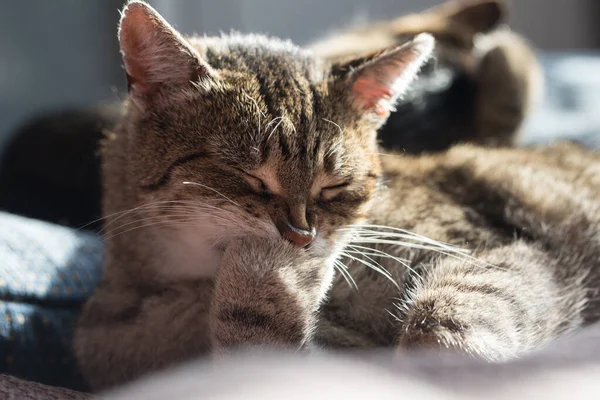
{"x":531,"y":218}
{"x":199,"y":175}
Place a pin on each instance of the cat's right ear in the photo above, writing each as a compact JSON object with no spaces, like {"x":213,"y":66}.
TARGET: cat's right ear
{"x":157,"y":59}
{"x":373,"y":84}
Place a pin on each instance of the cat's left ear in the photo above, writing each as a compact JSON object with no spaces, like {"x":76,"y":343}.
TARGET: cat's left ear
{"x":375,"y":83}
{"x":158,"y":60}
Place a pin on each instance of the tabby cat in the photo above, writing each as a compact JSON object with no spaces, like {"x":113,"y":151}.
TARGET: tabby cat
{"x":247,"y":203}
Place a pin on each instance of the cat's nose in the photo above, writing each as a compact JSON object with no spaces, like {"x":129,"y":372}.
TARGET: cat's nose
{"x":299,"y":237}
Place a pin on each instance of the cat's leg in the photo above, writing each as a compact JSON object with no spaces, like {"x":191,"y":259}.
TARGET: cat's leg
{"x":123,"y":334}
{"x":267,"y":294}
{"x":508,"y":302}
{"x":526,"y":294}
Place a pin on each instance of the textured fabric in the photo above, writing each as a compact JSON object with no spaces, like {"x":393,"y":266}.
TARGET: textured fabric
{"x":12,"y":388}
{"x":569,"y":369}
{"x":46,"y":272}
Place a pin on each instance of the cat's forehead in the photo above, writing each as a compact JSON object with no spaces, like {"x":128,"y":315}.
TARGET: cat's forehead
{"x":278,"y":106}
{"x":283,"y":145}
{"x":279,"y":121}
{"x":285,"y":80}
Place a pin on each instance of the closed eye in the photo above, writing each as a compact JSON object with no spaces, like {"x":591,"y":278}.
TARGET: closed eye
{"x":330,"y":192}
{"x":166,"y":176}
{"x":257,"y":184}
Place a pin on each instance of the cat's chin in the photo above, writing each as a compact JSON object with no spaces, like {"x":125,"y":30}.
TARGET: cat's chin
{"x":330,"y":247}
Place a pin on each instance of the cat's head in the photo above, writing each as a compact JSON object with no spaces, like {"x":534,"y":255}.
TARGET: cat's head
{"x":254,"y":135}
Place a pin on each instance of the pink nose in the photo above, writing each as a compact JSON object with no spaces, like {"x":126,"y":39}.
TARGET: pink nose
{"x":299,"y":237}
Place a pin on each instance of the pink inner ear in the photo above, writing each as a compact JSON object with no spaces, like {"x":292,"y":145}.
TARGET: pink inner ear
{"x":137,"y":27}
{"x":376,"y":88}
{"x":155,"y":55}
{"x":379,"y":82}
{"x":369,"y":94}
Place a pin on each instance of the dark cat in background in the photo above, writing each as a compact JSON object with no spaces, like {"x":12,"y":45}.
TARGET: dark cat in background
{"x":480,"y":80}
{"x":478,"y":87}
{"x":247,"y":202}
{"x":50,"y":169}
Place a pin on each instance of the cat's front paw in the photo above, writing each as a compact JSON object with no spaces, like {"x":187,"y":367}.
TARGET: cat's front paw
{"x":267,"y":292}
{"x":250,"y":258}
{"x":449,"y":327}
{"x":424,"y":330}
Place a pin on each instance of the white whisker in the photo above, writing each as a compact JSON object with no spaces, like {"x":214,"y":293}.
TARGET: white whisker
{"x":458,"y":255}
{"x":167,"y":204}
{"x":275,"y":128}
{"x":362,"y":229}
{"x":172,"y":222}
{"x":394,"y":316}
{"x":379,"y":269}
{"x":395,"y":243}
{"x":191,"y":215}
{"x":386,"y":235}
{"x":257,"y":109}
{"x":336,"y":125}
{"x":121,"y":213}
{"x":343,"y":269}
{"x":379,"y":253}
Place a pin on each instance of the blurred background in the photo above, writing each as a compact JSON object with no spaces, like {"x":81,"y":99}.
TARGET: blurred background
{"x":61,"y":53}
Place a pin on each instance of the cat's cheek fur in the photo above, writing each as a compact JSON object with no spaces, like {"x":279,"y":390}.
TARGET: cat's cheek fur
{"x":191,"y":256}
{"x":189,"y":251}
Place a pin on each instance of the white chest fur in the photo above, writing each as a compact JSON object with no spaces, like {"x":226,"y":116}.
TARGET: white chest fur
{"x":189,"y":254}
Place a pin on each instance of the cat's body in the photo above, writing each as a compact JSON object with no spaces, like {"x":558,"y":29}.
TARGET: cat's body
{"x":230,"y":145}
